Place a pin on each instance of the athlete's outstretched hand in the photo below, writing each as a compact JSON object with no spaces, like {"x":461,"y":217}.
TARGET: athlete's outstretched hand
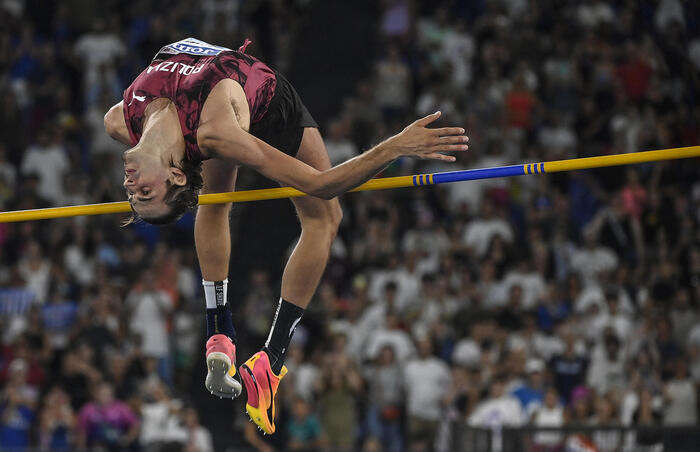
{"x":417,"y":140}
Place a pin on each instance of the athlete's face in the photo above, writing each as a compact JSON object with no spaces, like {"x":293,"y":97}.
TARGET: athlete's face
{"x":145,"y":181}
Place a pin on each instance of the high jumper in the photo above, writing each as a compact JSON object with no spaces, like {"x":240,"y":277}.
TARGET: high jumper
{"x":192,"y":117}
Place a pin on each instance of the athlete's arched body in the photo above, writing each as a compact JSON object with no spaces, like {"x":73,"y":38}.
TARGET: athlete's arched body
{"x":199,"y":103}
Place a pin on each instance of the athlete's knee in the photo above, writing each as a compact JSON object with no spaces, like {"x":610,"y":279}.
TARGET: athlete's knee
{"x":214,"y":212}
{"x":325,"y":221}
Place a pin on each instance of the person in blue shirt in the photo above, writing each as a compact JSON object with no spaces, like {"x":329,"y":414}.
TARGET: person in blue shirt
{"x":15,"y":420}
{"x":531,"y":393}
{"x":304,"y":428}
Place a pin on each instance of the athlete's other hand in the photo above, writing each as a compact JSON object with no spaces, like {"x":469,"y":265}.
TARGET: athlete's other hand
{"x":417,"y":140}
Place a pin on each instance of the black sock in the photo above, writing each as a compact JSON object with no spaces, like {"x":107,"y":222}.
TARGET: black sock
{"x":220,"y":319}
{"x":286,"y":319}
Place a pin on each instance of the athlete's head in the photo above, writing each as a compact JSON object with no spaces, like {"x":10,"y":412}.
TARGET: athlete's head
{"x":161,"y":193}
{"x":160,"y":183}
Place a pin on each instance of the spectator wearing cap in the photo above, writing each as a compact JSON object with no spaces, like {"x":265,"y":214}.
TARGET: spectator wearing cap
{"x":531,"y":393}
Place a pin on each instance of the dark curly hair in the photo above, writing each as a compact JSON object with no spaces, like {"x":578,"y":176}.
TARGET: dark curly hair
{"x":180,"y":198}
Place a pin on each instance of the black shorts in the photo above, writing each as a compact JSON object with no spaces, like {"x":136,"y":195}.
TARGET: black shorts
{"x":283,"y":124}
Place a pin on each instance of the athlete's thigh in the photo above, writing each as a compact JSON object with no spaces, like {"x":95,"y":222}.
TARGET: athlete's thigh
{"x":312,"y":151}
{"x":219,"y":176}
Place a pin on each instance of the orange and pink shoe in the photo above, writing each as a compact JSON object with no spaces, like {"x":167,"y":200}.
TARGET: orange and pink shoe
{"x":261,"y":384}
{"x":221,"y":367}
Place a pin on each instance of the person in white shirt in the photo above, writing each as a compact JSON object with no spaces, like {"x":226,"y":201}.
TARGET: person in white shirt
{"x":612,"y":317}
{"x":199,"y":439}
{"x":99,"y":51}
{"x":35,"y":270}
{"x":48,"y":160}
{"x":340,"y":147}
{"x":160,"y":420}
{"x":390,"y":334}
{"x":426,"y":380}
{"x":592,"y":259}
{"x":498,"y":410}
{"x":458,"y":49}
{"x":681,"y":398}
{"x":149,"y":309}
{"x":607,"y":369}
{"x":478,"y":233}
{"x":372,"y":319}
{"x":592,"y":13}
{"x":530,"y":280}
{"x":551,"y":414}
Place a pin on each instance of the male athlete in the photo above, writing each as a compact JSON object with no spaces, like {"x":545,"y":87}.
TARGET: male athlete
{"x":195,"y":114}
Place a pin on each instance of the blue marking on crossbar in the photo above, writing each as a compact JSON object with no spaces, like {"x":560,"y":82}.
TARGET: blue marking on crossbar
{"x":482,"y":173}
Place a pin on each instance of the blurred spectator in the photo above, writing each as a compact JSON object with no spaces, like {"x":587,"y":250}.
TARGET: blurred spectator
{"x":426,"y":380}
{"x":150,"y":308}
{"x":531,"y":394}
{"x":479,"y":234}
{"x":337,"y":406}
{"x":607,"y":368}
{"x":569,"y":369}
{"x":199,"y":438}
{"x":57,"y":421}
{"x":305,"y":431}
{"x":105,"y":421}
{"x":681,"y":397}
{"x":340,"y":147}
{"x":393,"y":85}
{"x":386,"y":400}
{"x":161,"y":423}
{"x":550,"y":414}
{"x":16,"y":419}
{"x":47,"y":158}
{"x":99,"y":51}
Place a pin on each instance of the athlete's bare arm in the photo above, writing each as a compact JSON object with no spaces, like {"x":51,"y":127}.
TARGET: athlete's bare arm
{"x":221,"y":136}
{"x":115,"y":124}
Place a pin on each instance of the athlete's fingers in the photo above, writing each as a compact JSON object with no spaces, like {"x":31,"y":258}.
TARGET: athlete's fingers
{"x":436,"y":156}
{"x":453,"y":139}
{"x":445,"y":131}
{"x":428,"y":119}
{"x":450,"y":148}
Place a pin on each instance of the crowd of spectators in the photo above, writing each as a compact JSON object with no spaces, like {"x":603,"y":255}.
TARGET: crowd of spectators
{"x":568,"y":299}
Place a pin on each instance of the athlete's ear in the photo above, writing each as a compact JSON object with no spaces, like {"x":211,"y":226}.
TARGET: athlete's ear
{"x":177,"y":176}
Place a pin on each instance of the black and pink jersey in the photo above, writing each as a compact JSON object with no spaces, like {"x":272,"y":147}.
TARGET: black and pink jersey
{"x":185,"y":72}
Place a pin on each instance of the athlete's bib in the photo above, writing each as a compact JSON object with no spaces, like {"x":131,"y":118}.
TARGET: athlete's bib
{"x":193,"y":46}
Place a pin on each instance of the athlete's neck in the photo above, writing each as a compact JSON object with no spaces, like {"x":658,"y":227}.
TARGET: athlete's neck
{"x":162,"y":136}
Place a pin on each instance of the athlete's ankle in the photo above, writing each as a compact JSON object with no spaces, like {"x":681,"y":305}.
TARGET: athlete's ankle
{"x":286,"y":319}
{"x":219,"y":315}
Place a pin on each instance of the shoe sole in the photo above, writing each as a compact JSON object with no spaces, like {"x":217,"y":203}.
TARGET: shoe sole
{"x":218,"y":381}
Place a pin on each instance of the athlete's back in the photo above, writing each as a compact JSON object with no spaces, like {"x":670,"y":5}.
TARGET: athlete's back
{"x":185,"y":72}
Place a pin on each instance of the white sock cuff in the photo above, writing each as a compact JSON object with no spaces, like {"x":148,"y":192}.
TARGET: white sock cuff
{"x":213,"y":295}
